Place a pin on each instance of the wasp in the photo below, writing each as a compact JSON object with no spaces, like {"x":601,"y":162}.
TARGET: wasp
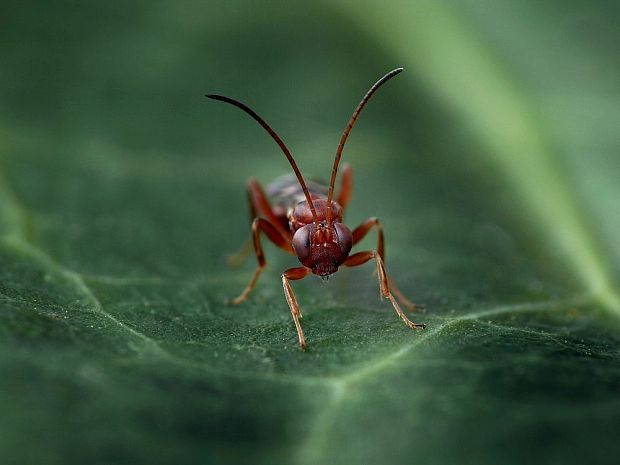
{"x":304,"y":219}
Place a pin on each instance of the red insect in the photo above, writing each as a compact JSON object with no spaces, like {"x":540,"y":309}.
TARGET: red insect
{"x":306,"y":221}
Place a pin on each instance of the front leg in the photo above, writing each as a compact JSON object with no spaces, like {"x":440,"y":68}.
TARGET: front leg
{"x":294,"y":274}
{"x":359,"y":233}
{"x":258,"y":225}
{"x":360,"y":258}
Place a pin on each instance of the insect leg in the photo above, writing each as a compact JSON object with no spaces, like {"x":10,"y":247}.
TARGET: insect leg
{"x":259,"y":206}
{"x":258,"y":225}
{"x":359,"y":233}
{"x":360,"y":258}
{"x":236,"y":259}
{"x":293,"y":274}
{"x":346,"y":186}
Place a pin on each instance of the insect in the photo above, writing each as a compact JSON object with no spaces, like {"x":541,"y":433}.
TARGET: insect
{"x":306,"y":221}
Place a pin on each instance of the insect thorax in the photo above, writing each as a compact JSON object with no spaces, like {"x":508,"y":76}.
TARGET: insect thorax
{"x":286,"y":192}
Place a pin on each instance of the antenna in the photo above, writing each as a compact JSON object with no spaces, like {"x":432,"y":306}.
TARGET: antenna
{"x":275,"y":137}
{"x":346,"y":132}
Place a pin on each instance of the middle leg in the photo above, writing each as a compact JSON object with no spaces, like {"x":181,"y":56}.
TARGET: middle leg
{"x":259,"y":207}
{"x":258,"y":225}
{"x":359,"y":233}
{"x":346,"y":186}
{"x":360,"y":258}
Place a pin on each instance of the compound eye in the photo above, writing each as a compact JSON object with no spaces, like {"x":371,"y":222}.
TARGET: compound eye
{"x":301,"y":242}
{"x":345,"y":238}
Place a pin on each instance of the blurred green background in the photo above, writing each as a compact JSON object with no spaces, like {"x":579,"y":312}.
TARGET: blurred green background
{"x":492,"y":161}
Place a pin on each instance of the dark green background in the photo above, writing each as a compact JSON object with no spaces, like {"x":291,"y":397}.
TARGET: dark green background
{"x":492,"y":162}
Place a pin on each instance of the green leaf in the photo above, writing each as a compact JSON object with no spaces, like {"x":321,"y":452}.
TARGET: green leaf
{"x":491,"y":161}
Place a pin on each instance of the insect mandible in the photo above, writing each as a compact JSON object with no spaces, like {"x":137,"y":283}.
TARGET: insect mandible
{"x":306,"y":221}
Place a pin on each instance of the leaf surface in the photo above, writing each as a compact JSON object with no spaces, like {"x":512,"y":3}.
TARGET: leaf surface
{"x":491,"y":162}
